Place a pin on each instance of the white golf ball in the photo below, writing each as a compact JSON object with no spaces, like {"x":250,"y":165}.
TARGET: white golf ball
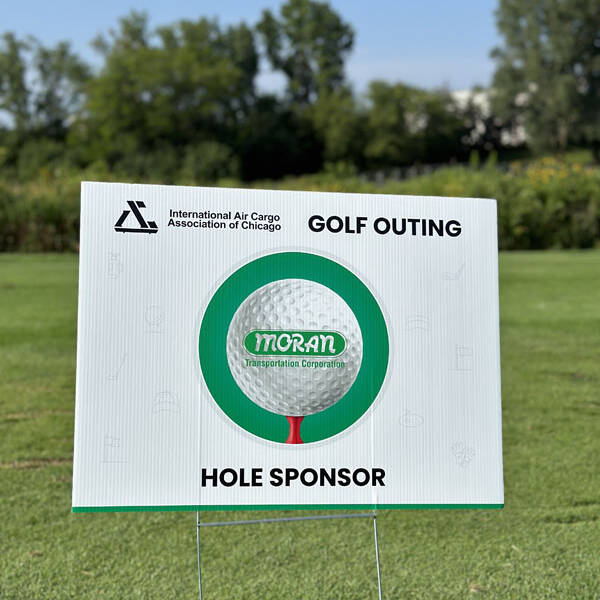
{"x":307,"y":381}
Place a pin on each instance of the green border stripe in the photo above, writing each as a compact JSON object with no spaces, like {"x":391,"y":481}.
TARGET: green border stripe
{"x":215,"y":507}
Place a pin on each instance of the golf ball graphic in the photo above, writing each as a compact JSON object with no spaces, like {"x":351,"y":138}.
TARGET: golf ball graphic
{"x":294,"y":348}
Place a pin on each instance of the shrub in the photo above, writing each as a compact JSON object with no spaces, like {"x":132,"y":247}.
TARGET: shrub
{"x":547,"y":204}
{"x":40,"y":216}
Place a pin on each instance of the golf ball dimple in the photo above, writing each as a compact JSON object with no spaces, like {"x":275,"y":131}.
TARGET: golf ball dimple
{"x":294,"y":305}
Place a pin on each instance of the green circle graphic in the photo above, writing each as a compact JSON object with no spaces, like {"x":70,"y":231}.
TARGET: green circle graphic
{"x":213,"y":350}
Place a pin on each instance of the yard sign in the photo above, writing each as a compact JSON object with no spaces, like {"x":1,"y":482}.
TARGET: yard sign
{"x":248,"y":349}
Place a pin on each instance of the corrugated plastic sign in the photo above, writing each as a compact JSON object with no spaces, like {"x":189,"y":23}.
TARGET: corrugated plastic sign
{"x":246,"y":349}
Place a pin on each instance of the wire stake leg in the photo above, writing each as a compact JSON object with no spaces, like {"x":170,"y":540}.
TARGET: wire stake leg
{"x":198,"y":548}
{"x":377,"y":556}
{"x":221,"y":523}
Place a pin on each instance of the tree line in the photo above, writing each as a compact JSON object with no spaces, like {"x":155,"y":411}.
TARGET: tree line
{"x":181,"y":101}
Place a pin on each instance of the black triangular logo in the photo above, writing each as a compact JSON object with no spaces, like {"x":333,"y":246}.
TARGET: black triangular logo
{"x":143,"y":226}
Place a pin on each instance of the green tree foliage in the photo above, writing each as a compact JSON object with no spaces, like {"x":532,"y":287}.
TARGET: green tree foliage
{"x":407,"y":125}
{"x":55,"y":92}
{"x":41,"y":91}
{"x":60,"y":77}
{"x":278,"y":140}
{"x":180,"y":103}
{"x":14,"y":93}
{"x":308,"y":43}
{"x":208,"y":161}
{"x":340,"y":123}
{"x":182,"y":85}
{"x":548,"y":70}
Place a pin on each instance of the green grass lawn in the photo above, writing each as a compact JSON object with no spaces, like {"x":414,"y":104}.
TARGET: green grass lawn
{"x":544,"y":544}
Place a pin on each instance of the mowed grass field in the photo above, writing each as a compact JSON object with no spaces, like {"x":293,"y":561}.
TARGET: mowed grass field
{"x":545,"y":543}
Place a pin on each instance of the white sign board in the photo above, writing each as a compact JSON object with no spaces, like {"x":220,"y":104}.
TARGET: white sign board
{"x":244,"y":349}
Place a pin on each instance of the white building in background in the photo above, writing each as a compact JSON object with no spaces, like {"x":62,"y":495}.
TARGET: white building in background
{"x":480,"y":98}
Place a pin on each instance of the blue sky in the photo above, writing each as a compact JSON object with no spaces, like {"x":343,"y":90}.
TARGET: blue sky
{"x":427,"y":43}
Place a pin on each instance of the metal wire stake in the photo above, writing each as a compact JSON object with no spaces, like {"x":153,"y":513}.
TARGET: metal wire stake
{"x":377,"y":556}
{"x":285,"y":519}
{"x":282,"y":520}
{"x":198,"y":548}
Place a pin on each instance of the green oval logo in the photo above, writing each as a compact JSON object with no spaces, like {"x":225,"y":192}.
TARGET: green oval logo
{"x":294,"y":343}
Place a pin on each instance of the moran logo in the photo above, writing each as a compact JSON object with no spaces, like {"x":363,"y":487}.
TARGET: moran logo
{"x":295,"y":343}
